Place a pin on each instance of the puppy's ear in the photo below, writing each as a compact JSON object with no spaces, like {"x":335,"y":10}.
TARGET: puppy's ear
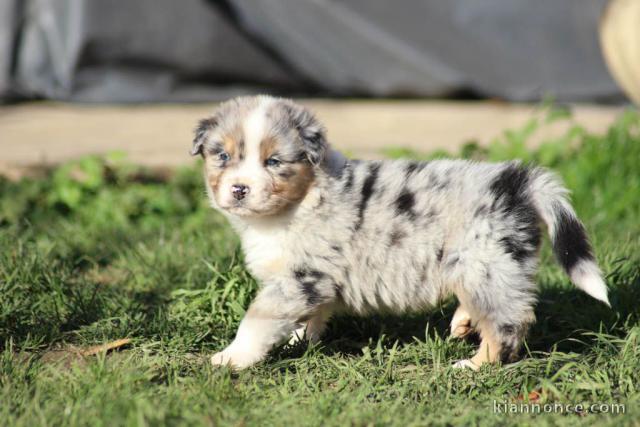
{"x":311,"y":131}
{"x":200,"y":137}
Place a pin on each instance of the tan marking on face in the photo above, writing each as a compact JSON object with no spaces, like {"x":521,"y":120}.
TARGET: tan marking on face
{"x":215,"y":169}
{"x":233,"y":143}
{"x":268,"y":147}
{"x":230,"y":145}
{"x":214,"y":174}
{"x":294,"y":188}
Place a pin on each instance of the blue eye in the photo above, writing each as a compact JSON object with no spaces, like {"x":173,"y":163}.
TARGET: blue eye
{"x":272,"y":162}
{"x":224,"y":156}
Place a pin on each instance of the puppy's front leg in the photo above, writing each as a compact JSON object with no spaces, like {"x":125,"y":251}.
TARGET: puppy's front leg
{"x":275,"y":313}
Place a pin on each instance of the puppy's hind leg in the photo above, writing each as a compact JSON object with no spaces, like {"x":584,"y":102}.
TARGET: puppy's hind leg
{"x":313,"y":328}
{"x":504,"y":311}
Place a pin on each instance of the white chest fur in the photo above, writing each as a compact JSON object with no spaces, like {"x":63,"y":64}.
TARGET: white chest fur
{"x":265,"y":247}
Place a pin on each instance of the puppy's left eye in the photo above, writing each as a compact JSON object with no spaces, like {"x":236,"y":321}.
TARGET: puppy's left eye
{"x":272,"y":162}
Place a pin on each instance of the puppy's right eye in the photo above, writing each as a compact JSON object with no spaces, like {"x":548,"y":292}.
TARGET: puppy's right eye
{"x":224,"y":156}
{"x":272,"y":162}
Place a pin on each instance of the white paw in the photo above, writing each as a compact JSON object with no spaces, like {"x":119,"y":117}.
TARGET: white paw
{"x":297,"y":336}
{"x":466,"y":363}
{"x":235,"y":359}
{"x":461,"y":331}
{"x":461,"y":324}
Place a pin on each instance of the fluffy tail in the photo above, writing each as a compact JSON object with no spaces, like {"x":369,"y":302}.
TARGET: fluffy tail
{"x":568,"y":236}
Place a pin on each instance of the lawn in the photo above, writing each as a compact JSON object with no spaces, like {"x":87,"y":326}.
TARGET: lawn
{"x":98,"y":250}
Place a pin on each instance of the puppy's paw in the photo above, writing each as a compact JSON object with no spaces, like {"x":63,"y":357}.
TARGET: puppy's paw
{"x":466,"y":363}
{"x":461,"y":330}
{"x":297,"y":336}
{"x":461,"y":324}
{"x":235,"y":359}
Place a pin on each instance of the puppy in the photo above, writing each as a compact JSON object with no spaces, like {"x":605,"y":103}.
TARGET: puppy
{"x":324,"y":234}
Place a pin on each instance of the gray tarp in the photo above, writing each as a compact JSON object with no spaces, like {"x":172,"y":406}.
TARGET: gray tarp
{"x":168,"y":50}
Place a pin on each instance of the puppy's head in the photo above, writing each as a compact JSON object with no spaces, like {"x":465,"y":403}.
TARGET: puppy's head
{"x":260,"y":154}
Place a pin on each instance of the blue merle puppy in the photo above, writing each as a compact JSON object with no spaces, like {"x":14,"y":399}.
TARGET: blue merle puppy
{"x":324,"y":234}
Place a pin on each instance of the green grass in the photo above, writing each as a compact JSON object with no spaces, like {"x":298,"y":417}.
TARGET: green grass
{"x":98,"y":250}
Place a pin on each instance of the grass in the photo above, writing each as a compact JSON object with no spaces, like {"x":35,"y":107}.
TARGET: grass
{"x":97,"y":250}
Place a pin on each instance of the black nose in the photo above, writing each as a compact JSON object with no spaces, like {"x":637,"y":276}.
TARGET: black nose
{"x":239,"y":191}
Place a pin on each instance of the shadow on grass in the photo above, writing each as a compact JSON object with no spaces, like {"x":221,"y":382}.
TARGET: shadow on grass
{"x":563,"y":316}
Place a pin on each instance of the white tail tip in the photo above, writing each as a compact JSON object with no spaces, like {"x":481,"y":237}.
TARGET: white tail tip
{"x":587,"y":276}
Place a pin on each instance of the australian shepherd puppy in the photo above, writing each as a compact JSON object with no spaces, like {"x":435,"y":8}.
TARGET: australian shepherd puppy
{"x":324,"y":234}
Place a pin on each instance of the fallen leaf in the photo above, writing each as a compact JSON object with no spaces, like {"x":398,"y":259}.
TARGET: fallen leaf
{"x":533,"y":396}
{"x":91,"y":351}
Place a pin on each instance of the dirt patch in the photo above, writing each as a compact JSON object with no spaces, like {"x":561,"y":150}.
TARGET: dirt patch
{"x":72,"y":356}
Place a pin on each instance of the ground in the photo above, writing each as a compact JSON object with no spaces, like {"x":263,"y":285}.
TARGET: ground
{"x":98,"y":249}
{"x":159,"y":135}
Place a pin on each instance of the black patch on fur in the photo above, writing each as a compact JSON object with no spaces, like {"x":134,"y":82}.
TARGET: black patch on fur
{"x":510,"y":341}
{"x":519,"y":251}
{"x":241,"y":149}
{"x":316,"y":274}
{"x":302,"y":273}
{"x":301,"y":157}
{"x":299,"y":274}
{"x":336,"y":248}
{"x":367,"y":192}
{"x":310,"y":292}
{"x":204,"y":126}
{"x":405,"y":202}
{"x":519,"y":248}
{"x":316,"y":145}
{"x":570,"y":242}
{"x":413,"y":167}
{"x":508,"y":352}
{"x":396,"y":237}
{"x":511,"y":191}
{"x":348,"y":183}
{"x":310,"y":131}
{"x":337,"y":289}
{"x":439,"y":254}
{"x":410,"y":169}
{"x":308,"y":279}
{"x":510,"y":187}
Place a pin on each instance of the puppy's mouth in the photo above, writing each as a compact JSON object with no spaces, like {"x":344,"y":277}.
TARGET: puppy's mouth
{"x":242,"y":210}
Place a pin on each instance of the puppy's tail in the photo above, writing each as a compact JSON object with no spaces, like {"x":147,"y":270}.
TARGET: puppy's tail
{"x":568,"y":236}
